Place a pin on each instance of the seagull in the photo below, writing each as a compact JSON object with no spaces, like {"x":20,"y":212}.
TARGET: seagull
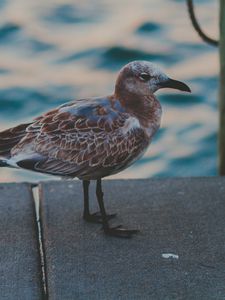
{"x":92,"y":138}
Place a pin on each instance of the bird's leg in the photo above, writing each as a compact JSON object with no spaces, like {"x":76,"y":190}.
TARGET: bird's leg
{"x":95,"y":217}
{"x":117,"y":231}
{"x":86,"y":212}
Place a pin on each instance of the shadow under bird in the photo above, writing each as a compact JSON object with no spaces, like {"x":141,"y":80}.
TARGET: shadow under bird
{"x":95,"y":137}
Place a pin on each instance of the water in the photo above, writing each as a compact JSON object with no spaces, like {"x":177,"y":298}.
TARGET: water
{"x":55,"y":51}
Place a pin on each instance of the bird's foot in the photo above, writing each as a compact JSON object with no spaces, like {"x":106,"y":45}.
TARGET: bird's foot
{"x":120,"y":232}
{"x":97,"y":217}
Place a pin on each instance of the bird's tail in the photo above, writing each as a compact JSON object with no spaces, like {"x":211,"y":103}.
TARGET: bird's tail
{"x":3,"y":163}
{"x":8,"y":139}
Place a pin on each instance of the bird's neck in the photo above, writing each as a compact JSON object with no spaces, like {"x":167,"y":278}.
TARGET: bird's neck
{"x":146,"y":108}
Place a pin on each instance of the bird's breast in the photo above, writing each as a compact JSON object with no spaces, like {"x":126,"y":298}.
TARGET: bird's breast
{"x":152,"y":124}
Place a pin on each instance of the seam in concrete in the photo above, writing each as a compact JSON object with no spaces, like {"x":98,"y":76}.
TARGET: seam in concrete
{"x":35,"y":191}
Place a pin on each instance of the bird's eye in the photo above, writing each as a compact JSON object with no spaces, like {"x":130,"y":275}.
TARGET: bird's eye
{"x":145,"y":76}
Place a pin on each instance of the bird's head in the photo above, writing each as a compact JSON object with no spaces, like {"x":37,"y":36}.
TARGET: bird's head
{"x":145,"y":78}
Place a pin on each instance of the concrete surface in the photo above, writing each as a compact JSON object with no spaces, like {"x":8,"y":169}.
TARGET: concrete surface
{"x":179,"y":254}
{"x":19,"y":255}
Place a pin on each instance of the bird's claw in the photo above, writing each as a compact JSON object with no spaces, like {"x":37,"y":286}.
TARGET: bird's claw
{"x":121,"y":232}
{"x":97,"y":217}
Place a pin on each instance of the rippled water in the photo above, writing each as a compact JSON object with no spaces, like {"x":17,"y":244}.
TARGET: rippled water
{"x":54,"y":51}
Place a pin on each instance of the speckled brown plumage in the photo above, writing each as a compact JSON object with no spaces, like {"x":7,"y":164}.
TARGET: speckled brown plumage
{"x":95,"y":137}
{"x":85,"y":138}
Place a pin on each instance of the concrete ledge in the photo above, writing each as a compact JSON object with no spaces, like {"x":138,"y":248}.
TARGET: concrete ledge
{"x":20,"y":276}
{"x":182,"y":217}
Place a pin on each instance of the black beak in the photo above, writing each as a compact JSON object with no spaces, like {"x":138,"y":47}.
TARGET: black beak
{"x":175,"y":84}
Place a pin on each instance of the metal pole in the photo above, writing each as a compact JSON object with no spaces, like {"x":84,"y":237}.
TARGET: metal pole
{"x":222,"y":91}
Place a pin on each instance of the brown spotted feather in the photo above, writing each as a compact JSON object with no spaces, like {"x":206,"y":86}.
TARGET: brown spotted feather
{"x":10,"y":137}
{"x":84,"y":143}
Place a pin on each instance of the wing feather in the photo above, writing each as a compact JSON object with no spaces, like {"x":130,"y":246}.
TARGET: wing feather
{"x":82,"y":140}
{"x":10,"y":137}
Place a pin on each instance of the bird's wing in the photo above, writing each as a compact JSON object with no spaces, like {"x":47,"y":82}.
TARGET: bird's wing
{"x":78,"y":138}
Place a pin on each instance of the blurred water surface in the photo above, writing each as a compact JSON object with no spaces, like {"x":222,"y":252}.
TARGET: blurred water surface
{"x":58,"y":50}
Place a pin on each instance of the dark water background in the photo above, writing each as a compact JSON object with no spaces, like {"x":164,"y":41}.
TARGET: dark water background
{"x":55,"y":51}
